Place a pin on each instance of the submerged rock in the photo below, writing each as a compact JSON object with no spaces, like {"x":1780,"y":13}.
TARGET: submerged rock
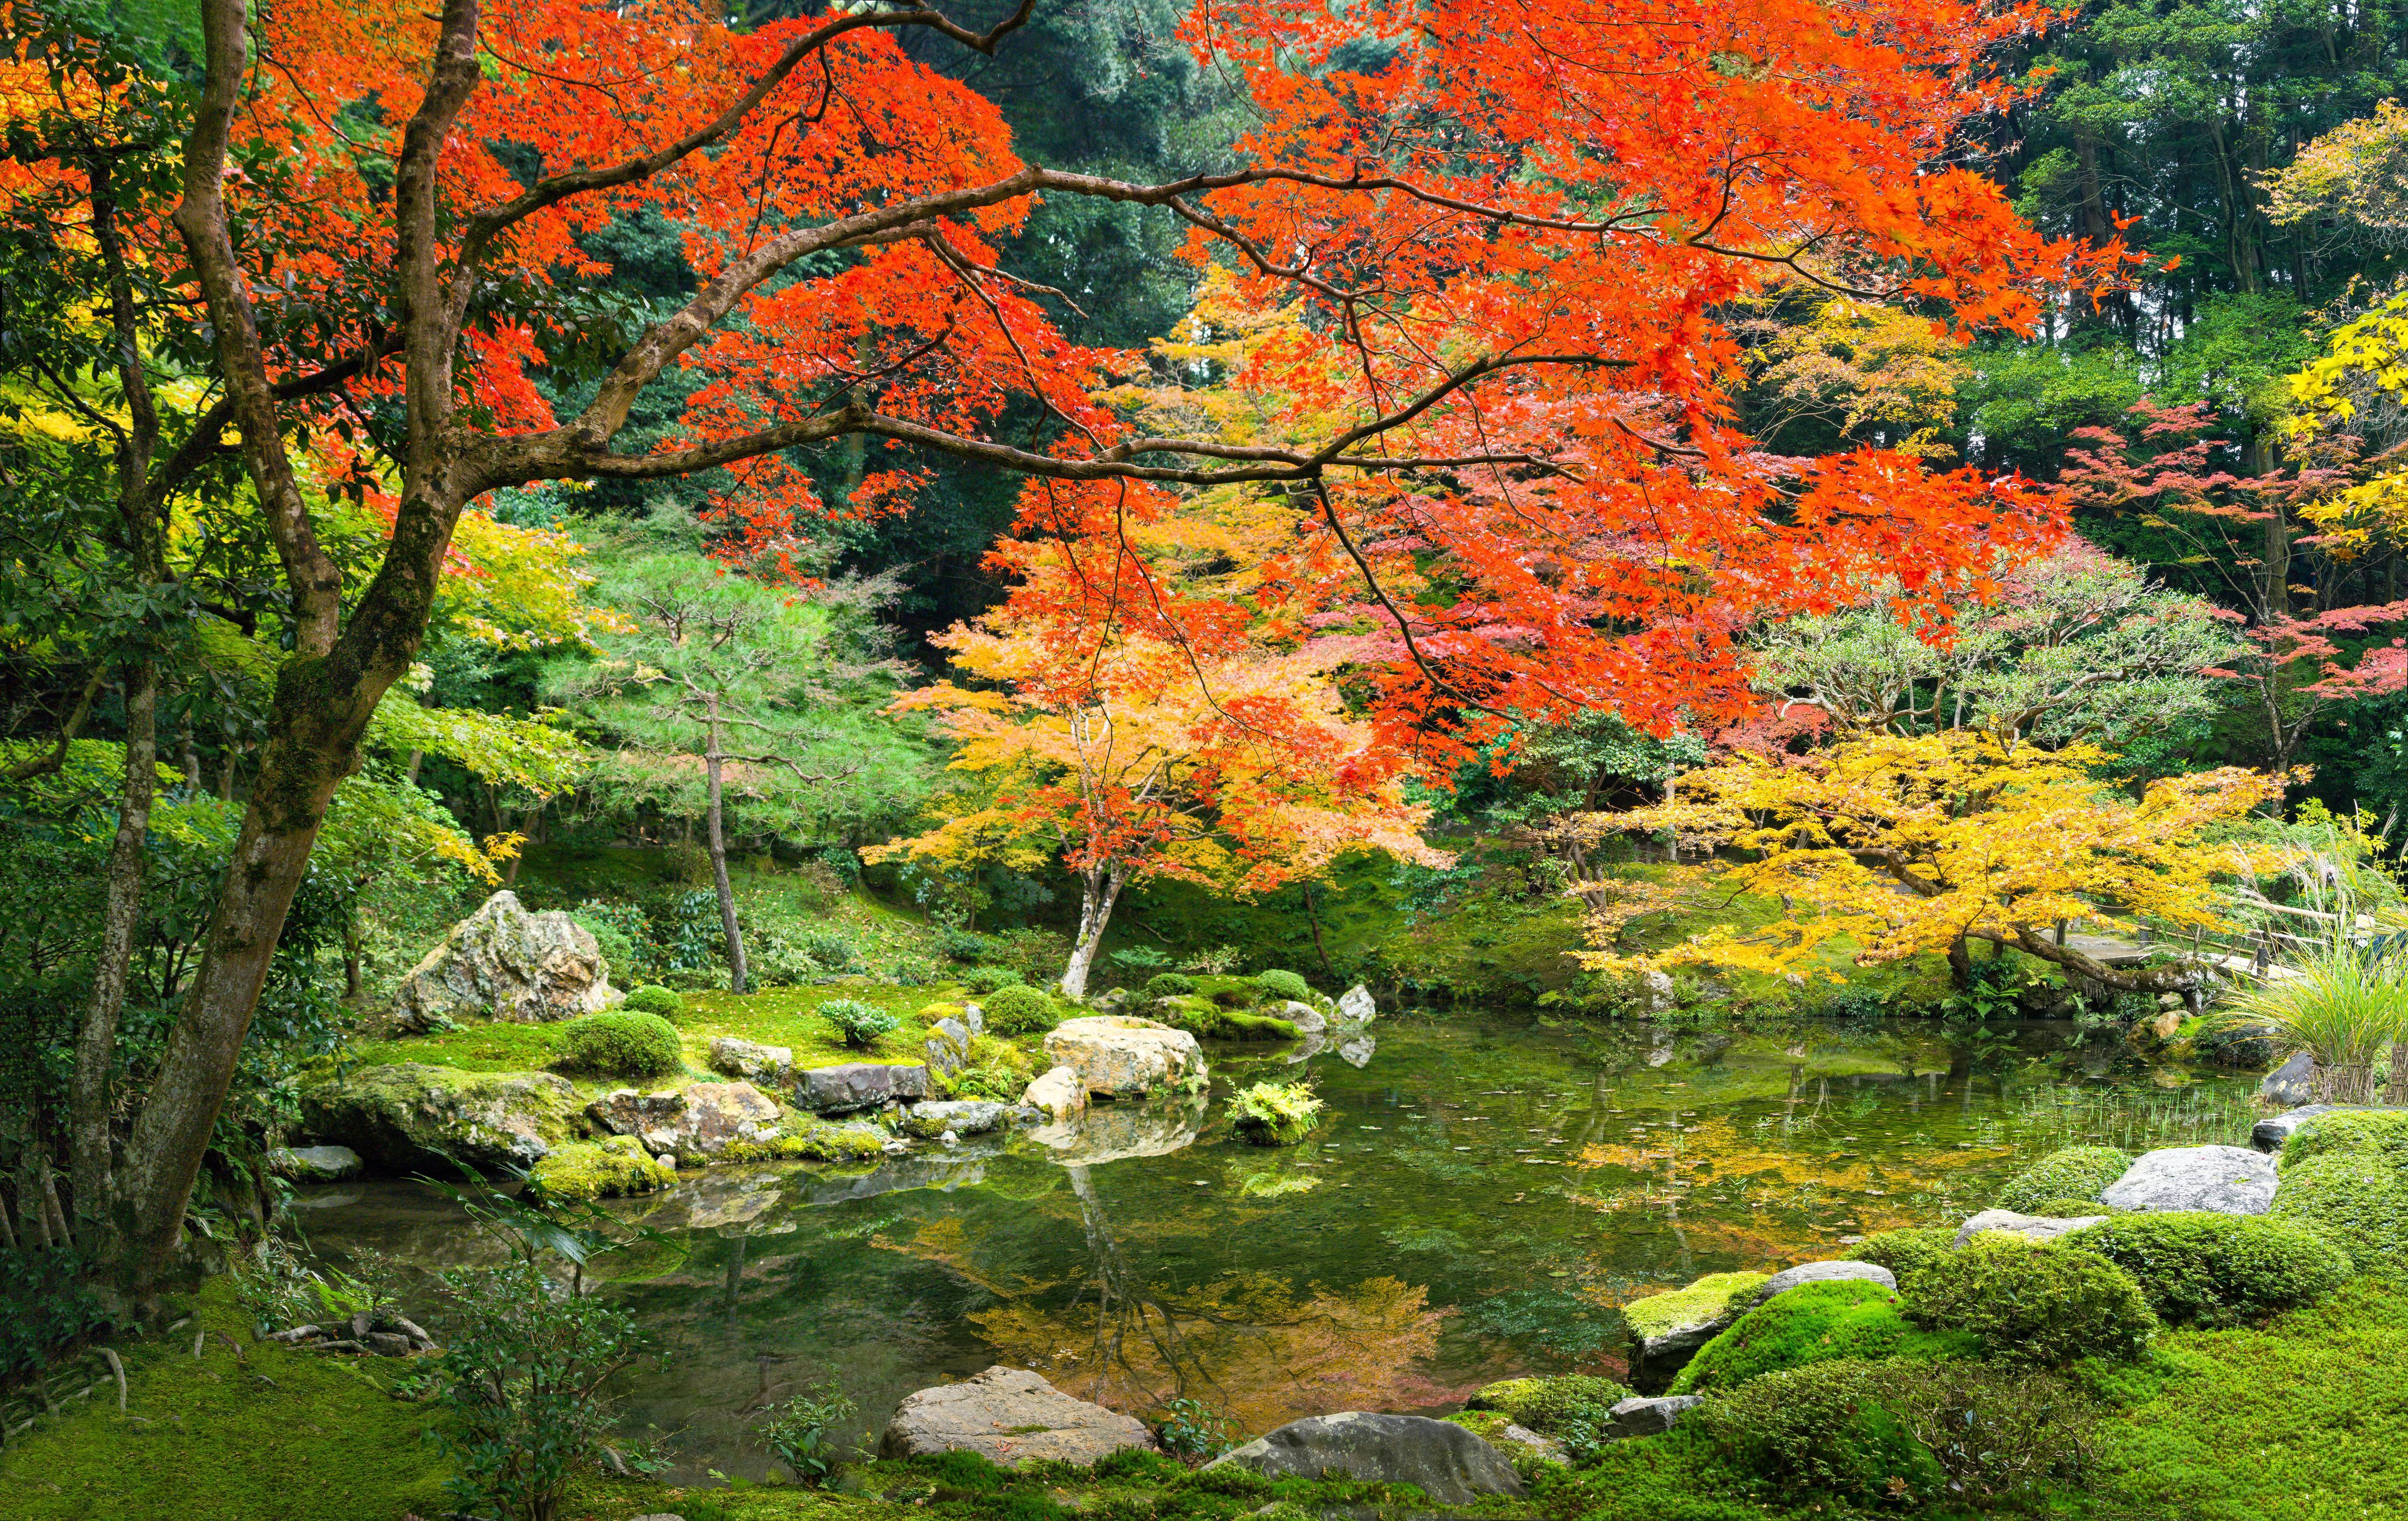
{"x":1822,"y":1272}
{"x":841,"y":1090}
{"x":1446,"y":1462}
{"x":412,"y":1115}
{"x":2228,"y":1179}
{"x":505,"y":963}
{"x":2032,"y":1227}
{"x":314,"y":1164}
{"x":1119,"y":1057}
{"x":1009,"y":1415}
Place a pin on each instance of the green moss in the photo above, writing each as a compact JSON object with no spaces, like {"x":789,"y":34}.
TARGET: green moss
{"x":1704,"y":1301}
{"x":2217,"y":1270}
{"x":1285,"y":984}
{"x":620,"y":1044}
{"x":1904,"y":1252}
{"x":2356,"y":1200}
{"x":1566,"y":1404}
{"x":2037,"y":1303}
{"x":2076,"y":1173}
{"x":1200,"y":1018}
{"x":810,"y":1142}
{"x":1019,"y":1010}
{"x":612,"y":1168}
{"x":1813,"y":1322}
{"x":279,"y":1435}
{"x":652,"y":998}
{"x":2070,"y":1208}
{"x":2383,"y":1131}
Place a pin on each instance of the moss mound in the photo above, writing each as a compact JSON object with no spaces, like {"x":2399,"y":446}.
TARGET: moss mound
{"x":2034,"y":1303}
{"x":1020,"y":1010}
{"x":652,"y":998}
{"x":1904,"y":1252}
{"x":612,"y":1168}
{"x":2373,"y":1131}
{"x":1285,"y":984}
{"x":1553,"y":1405}
{"x":1815,"y":1323}
{"x":1205,"y":1020}
{"x":1708,"y":1298}
{"x":2217,"y":1270}
{"x":620,"y":1044}
{"x":813,"y":1141}
{"x":2356,"y":1200}
{"x":2076,"y":1173}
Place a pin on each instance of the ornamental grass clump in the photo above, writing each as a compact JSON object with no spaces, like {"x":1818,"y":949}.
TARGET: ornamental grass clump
{"x":1276,"y":1113}
{"x":2343,"y":1007}
{"x":2205,"y":1269}
{"x":620,"y":1044}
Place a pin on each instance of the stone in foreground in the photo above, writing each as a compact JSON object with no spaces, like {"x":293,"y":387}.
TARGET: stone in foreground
{"x":1449,"y":1464}
{"x":1640,"y":1416}
{"x":314,"y":1164}
{"x":504,"y":963}
{"x":2269,"y":1134}
{"x":2228,"y":1179}
{"x":1822,"y":1272}
{"x":1120,"y":1055}
{"x":1009,"y":1415}
{"x":841,"y":1090}
{"x":2032,"y":1227}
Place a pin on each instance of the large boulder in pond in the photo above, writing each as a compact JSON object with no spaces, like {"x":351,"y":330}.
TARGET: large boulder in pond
{"x":504,"y":963}
{"x":2226,"y":1180}
{"x":1441,"y":1459}
{"x":412,"y":1116}
{"x":1009,"y":1415}
{"x":1120,"y":1055}
{"x":702,"y":1120}
{"x":857,"y":1085}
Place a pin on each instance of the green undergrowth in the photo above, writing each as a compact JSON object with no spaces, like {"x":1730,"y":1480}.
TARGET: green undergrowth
{"x":1813,"y":1323}
{"x":270,"y":1435}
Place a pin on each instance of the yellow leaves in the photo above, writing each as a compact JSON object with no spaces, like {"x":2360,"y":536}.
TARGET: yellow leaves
{"x":1903,"y":845}
{"x":520,"y":588}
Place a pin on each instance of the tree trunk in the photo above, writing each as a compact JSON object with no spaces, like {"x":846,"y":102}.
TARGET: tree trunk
{"x":1099,"y":887}
{"x":1960,"y":964}
{"x":713,"y":759}
{"x":90,"y":1105}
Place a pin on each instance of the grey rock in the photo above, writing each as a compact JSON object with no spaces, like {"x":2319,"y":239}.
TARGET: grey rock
{"x":315,"y":1164}
{"x":504,"y":963}
{"x":661,"y":1515}
{"x":1009,"y":1415}
{"x":2228,"y":1179}
{"x":1544,"y":1445}
{"x":2269,"y":1134}
{"x":2032,"y":1227}
{"x":975,"y":1017}
{"x":840,"y":1090}
{"x":1355,"y":1005}
{"x":961,"y":1116}
{"x":703,"y":1121}
{"x":2294,"y":1082}
{"x":955,"y":1031}
{"x":752,"y":1061}
{"x":948,"y":1046}
{"x":1304,"y":1016}
{"x":1446,"y":1462}
{"x":1120,"y":1055}
{"x":1660,"y":996}
{"x":1824,"y":1273}
{"x":1643,"y":1417}
{"x":1356,"y":1051}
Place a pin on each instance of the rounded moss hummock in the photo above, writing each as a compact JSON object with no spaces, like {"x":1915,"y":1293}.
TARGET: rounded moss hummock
{"x":1814,"y":1322}
{"x":1553,"y":1405}
{"x":620,"y":1044}
{"x":2364,"y":1130}
{"x":2076,"y":1173}
{"x":2217,"y":1270}
{"x":1904,"y":1252}
{"x":2357,"y":1200}
{"x":612,"y":1168}
{"x":1285,"y":984}
{"x":1020,"y":1010}
{"x":652,"y":998}
{"x":2037,"y":1303}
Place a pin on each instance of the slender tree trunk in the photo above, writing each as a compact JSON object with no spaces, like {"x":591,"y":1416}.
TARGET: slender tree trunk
{"x":409,"y":769}
{"x":712,"y":760}
{"x":90,"y":1103}
{"x":1314,"y":920}
{"x":1099,"y":887}
{"x":1960,"y":964}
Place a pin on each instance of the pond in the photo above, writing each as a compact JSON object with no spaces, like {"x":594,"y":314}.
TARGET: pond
{"x":1480,"y":1196}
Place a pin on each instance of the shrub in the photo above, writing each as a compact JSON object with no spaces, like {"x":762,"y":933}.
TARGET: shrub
{"x":652,"y":998}
{"x":1815,"y":1323}
{"x":2217,"y":1270}
{"x":991,"y":978}
{"x":1285,"y":984}
{"x":860,"y":1023}
{"x":612,"y":1168}
{"x":1551,"y":1405}
{"x":1138,"y":960}
{"x":2036,"y":1303}
{"x":912,"y":972}
{"x":2357,"y":1200}
{"x":798,"y":1432}
{"x":1019,"y":1011}
{"x":1995,"y":1432}
{"x":1169,"y":984}
{"x":1822,"y":1429}
{"x":963,"y":945}
{"x":2383,"y":1131}
{"x":45,"y":1302}
{"x":2076,"y":1173}
{"x":1904,"y":1252}
{"x":1276,"y":1113}
{"x":620,"y":1044}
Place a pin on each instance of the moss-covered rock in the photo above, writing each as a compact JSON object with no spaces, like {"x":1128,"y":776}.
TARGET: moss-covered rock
{"x":612,"y":1168}
{"x":811,"y":1141}
{"x":2371,"y":1131}
{"x":1812,"y":1323}
{"x":1201,"y":1018}
{"x":1554,"y":1406}
{"x":2077,"y":1172}
{"x":1904,"y":1252}
{"x":1666,"y":1330}
{"x":411,"y":1116}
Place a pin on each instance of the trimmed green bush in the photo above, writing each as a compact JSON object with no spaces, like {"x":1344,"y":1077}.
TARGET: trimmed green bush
{"x":1904,"y":1252}
{"x":620,"y":1044}
{"x":2076,"y":1173}
{"x":859,"y":1023}
{"x":1276,"y":1113}
{"x":1169,"y":984}
{"x":612,"y":1168}
{"x":1019,"y":1011}
{"x":1816,"y":1323}
{"x":1285,"y":984}
{"x":2370,"y":1130}
{"x":2034,"y":1302}
{"x":2217,"y":1270}
{"x":652,"y":998}
{"x":1995,"y":1433}
{"x":2357,"y":1200}
{"x":1823,"y":1430}
{"x":983,"y":979}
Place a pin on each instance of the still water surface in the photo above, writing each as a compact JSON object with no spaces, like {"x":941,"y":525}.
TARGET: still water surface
{"x":1480,"y":1196}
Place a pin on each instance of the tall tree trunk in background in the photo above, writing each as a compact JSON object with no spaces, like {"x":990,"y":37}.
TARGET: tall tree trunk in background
{"x":1099,"y":887}
{"x":713,"y":758}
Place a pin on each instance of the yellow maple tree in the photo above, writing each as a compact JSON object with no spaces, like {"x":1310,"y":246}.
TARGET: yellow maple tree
{"x":1903,"y":844}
